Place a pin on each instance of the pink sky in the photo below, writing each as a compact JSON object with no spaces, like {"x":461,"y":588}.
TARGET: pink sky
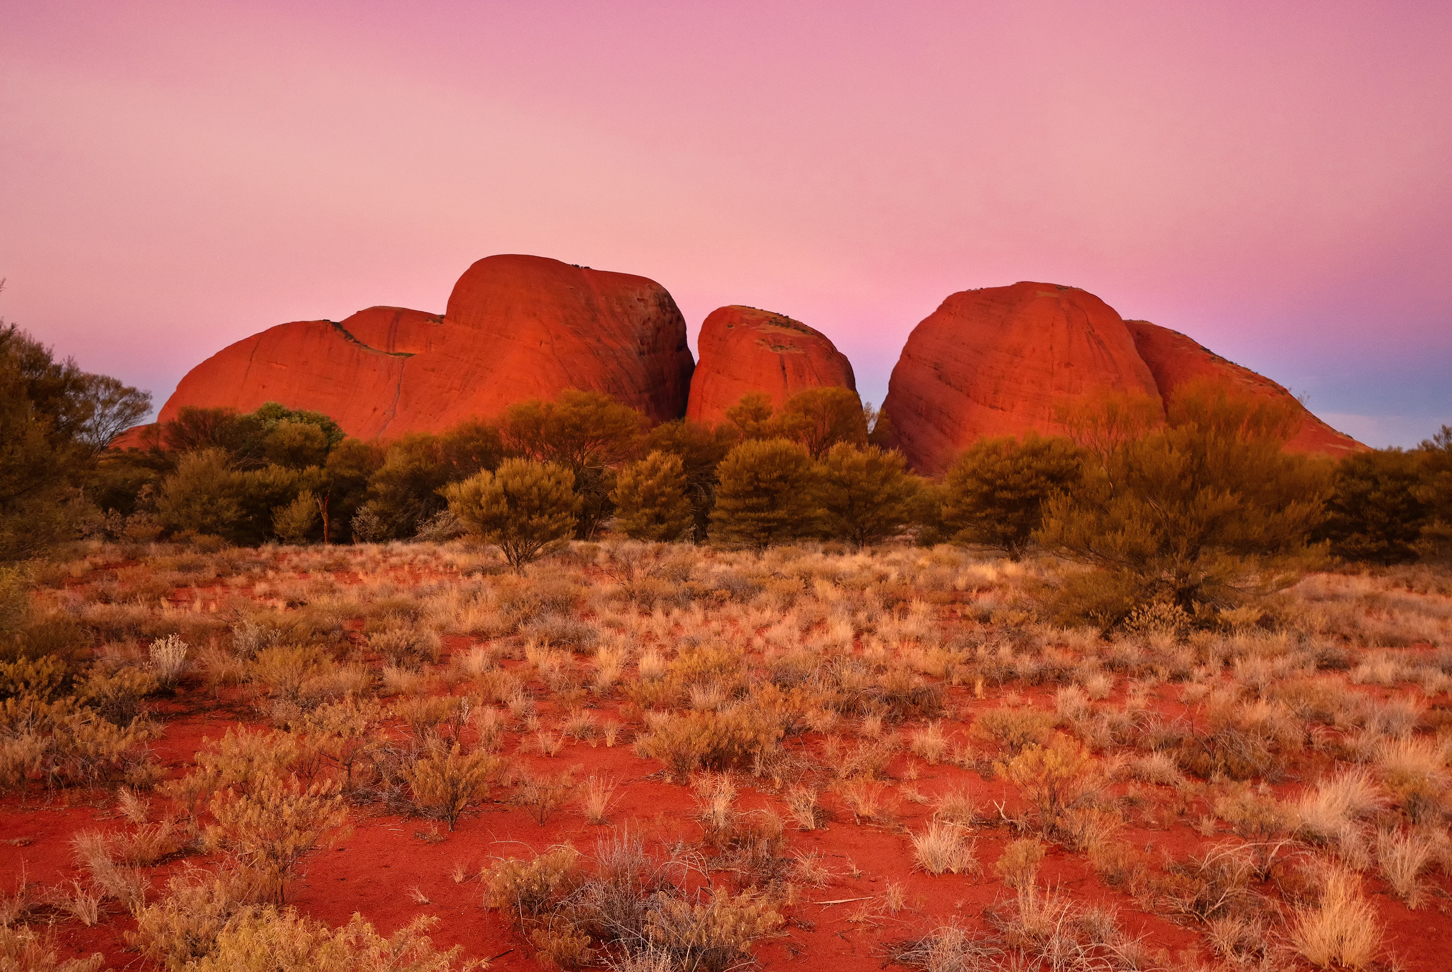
{"x":1274,"y":179}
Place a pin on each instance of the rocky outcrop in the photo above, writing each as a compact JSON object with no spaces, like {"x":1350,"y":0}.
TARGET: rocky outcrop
{"x":1175,"y":359}
{"x":1005,"y":361}
{"x":745,"y":350}
{"x":516,"y":327}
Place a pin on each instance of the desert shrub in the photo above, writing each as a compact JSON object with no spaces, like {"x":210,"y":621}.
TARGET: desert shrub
{"x":55,"y":420}
{"x":23,"y":949}
{"x":995,"y":493}
{"x":585,"y":432}
{"x":700,"y":449}
{"x":168,"y":660}
{"x":201,"y":496}
{"x":268,"y":940}
{"x":692,"y":741}
{"x":527,"y":508}
{"x":1054,"y":778}
{"x":864,"y":495}
{"x":823,"y":418}
{"x":1201,"y":512}
{"x":445,"y":783}
{"x":627,"y":908}
{"x":765,"y":494}
{"x":272,"y":825}
{"x":1376,"y":511}
{"x":650,"y":498}
{"x":1341,"y":930}
{"x":404,"y":491}
{"x":943,"y":848}
{"x":64,"y":743}
{"x":1014,"y":728}
{"x":295,"y":522}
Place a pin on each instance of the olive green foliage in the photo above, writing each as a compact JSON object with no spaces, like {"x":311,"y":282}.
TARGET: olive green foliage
{"x":765,"y":494}
{"x":1377,"y":510}
{"x":650,"y":497}
{"x":1198,"y":513}
{"x":55,"y":420}
{"x":817,"y":418}
{"x":273,"y":434}
{"x":588,"y":433}
{"x":405,"y":492}
{"x":525,"y":507}
{"x":700,"y":449}
{"x":820,"y":418}
{"x":864,"y":495}
{"x":348,"y":471}
{"x":995,"y":493}
{"x":207,"y":496}
{"x":1436,"y":491}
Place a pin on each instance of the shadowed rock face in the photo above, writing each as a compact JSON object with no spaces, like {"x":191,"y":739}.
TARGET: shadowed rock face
{"x":745,"y":350}
{"x":1174,"y":359}
{"x":1005,"y":361}
{"x":517,"y":327}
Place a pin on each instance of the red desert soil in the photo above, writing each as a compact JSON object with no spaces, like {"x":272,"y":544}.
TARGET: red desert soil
{"x":747,"y":351}
{"x":392,"y":868}
{"x":516,"y":328}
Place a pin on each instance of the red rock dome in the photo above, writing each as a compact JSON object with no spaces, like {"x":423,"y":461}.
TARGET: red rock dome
{"x":1005,"y":361}
{"x":517,"y":327}
{"x":1174,"y":359}
{"x":745,"y":350}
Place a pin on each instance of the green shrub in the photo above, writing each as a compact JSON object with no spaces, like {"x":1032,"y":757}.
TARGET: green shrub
{"x":650,"y":498}
{"x":821,"y":418}
{"x":765,"y":494}
{"x":588,"y":434}
{"x":272,"y":825}
{"x":700,"y":449}
{"x":864,"y":495}
{"x":1199,"y":513}
{"x":527,"y":508}
{"x":995,"y":493}
{"x":446,"y":782}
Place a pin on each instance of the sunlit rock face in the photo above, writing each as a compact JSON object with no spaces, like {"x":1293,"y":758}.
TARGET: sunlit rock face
{"x":1005,"y":361}
{"x":745,"y":350}
{"x":1175,"y":359}
{"x":516,"y":327}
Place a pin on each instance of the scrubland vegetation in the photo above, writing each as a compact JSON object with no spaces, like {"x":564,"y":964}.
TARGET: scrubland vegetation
{"x":567,"y":691}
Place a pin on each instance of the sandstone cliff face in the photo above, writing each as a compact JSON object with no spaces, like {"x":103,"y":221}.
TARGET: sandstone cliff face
{"x":517,"y":327}
{"x":1174,"y":359}
{"x":1005,"y":361}
{"x":745,"y":350}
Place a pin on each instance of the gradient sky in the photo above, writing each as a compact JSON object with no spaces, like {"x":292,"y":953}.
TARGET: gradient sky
{"x":1274,"y":179}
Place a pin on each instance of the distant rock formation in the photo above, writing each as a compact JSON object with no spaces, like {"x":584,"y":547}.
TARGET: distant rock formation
{"x":1005,"y":361}
{"x":516,"y":327}
{"x":745,"y":350}
{"x":1174,"y":359}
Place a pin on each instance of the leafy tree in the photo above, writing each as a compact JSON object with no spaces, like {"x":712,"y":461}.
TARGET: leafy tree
{"x":1377,"y":509}
{"x":1197,"y":513}
{"x":700,"y":449}
{"x":349,"y":469}
{"x":650,"y":497}
{"x":55,"y":420}
{"x":405,"y":491}
{"x":765,"y":494}
{"x":295,"y":522}
{"x":295,"y":445}
{"x":525,"y":507}
{"x":248,"y":438}
{"x":201,"y":496}
{"x":1436,"y":492}
{"x":820,"y":418}
{"x":995,"y":493}
{"x":864,"y":495}
{"x":752,"y":417}
{"x":585,"y":432}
